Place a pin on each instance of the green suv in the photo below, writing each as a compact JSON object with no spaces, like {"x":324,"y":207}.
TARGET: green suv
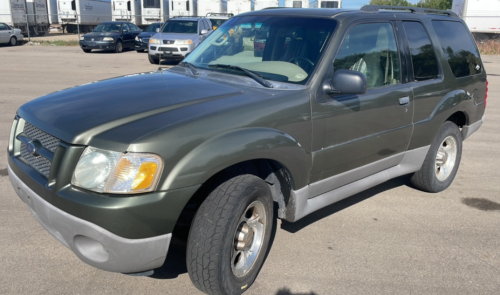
{"x":212,"y":151}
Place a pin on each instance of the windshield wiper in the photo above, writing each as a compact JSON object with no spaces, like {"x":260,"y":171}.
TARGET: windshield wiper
{"x":249,"y":73}
{"x":190,"y":66}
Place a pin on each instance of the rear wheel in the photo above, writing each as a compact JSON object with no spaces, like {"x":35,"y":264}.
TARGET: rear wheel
{"x":442,"y":160}
{"x":230,"y":236}
{"x":153,"y":60}
{"x":13,"y":41}
{"x":119,"y":47}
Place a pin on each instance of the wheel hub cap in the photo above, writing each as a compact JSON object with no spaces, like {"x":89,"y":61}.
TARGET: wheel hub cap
{"x":248,"y":238}
{"x":446,"y":157}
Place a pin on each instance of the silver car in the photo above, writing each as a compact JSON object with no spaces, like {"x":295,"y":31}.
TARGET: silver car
{"x":178,"y":37}
{"x":9,"y":35}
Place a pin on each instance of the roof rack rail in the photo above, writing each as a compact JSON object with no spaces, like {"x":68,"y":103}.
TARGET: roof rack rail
{"x":220,"y":14}
{"x":417,"y":10}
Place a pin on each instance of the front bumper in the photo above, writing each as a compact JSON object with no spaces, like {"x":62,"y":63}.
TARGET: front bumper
{"x":93,"y":244}
{"x":171,"y":51}
{"x":141,"y":45}
{"x":109,"y":45}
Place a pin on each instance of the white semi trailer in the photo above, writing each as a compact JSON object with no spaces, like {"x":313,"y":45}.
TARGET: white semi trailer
{"x":183,"y":8}
{"x":240,"y":6}
{"x":126,"y":10}
{"x":83,"y":15}
{"x":52,"y":9}
{"x":262,"y":4}
{"x":154,"y":11}
{"x":297,"y":4}
{"x":214,"y":6}
{"x":38,"y":18}
{"x":481,"y":16}
{"x":13,"y":13}
{"x":326,"y":4}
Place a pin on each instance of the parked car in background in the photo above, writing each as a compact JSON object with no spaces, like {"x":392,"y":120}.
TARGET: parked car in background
{"x":180,"y":35}
{"x":217,"y":19}
{"x":9,"y":35}
{"x":111,"y":36}
{"x":142,"y":40}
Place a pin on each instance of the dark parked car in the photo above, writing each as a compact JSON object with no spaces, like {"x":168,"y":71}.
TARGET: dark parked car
{"x":111,"y":36}
{"x":142,"y":40}
{"x":212,"y":151}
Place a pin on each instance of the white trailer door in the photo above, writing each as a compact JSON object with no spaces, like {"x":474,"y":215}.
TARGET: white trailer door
{"x":41,"y":12}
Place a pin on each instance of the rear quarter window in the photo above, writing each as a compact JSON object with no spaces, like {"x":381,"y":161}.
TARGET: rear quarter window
{"x":458,"y":47}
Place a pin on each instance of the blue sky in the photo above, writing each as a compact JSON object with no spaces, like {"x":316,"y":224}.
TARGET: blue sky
{"x":353,"y":3}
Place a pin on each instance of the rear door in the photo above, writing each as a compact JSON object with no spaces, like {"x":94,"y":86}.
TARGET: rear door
{"x":372,"y":129}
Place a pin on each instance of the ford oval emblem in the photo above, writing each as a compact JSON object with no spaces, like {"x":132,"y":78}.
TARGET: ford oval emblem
{"x":31,"y":148}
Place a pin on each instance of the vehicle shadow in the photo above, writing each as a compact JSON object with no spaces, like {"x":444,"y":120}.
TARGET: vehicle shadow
{"x":286,"y":291}
{"x":294,"y":227}
{"x":175,"y":264}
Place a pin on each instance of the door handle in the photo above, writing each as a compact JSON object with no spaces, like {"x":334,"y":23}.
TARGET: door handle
{"x":404,"y":100}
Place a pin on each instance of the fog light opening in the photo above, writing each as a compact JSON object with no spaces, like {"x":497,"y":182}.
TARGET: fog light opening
{"x":91,"y":248}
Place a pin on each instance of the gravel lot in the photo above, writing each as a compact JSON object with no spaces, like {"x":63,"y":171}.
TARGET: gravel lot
{"x":391,"y":239}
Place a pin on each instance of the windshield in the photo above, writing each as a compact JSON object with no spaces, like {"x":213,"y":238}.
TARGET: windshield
{"x":183,"y":27}
{"x":108,"y":28}
{"x":152,"y":28}
{"x":277,"y":48}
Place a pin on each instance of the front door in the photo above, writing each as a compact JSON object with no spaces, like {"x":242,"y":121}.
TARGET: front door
{"x":351,"y":131}
{"x":4,"y":33}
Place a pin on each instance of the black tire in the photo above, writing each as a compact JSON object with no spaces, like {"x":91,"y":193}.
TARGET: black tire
{"x":426,"y":178}
{"x":140,"y":50}
{"x":153,"y":60}
{"x":119,"y":47}
{"x":211,"y":242}
{"x":13,"y":41}
{"x":87,"y":50}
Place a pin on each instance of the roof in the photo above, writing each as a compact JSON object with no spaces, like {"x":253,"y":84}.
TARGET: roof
{"x":190,"y":18}
{"x":305,"y":12}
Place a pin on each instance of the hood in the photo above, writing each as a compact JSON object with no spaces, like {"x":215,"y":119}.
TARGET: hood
{"x":146,"y":34}
{"x":80,"y":114}
{"x":101,"y":34}
{"x":175,"y":36}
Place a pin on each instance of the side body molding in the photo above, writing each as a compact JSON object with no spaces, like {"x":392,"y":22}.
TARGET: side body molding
{"x":237,"y":146}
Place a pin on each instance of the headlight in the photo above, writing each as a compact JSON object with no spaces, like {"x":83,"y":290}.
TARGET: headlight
{"x":154,"y":41}
{"x":112,"y":172}
{"x":183,"y":42}
{"x":108,"y":39}
{"x":137,"y":38}
{"x":82,"y":38}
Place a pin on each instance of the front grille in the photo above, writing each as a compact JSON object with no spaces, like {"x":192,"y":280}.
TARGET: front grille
{"x":48,"y":141}
{"x":173,"y":49}
{"x":168,"y":41}
{"x":93,"y":38}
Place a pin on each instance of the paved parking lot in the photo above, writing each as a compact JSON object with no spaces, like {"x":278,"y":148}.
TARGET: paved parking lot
{"x":391,"y":239}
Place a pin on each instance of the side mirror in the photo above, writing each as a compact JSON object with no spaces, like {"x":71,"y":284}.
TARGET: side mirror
{"x":157,"y":30}
{"x":204,"y":32}
{"x":347,"y":82}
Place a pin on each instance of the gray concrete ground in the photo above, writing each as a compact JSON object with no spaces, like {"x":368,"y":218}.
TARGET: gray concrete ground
{"x":391,"y":239}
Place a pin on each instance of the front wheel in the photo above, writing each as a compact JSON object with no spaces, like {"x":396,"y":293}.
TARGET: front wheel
{"x":119,"y":47}
{"x":152,"y":60}
{"x":13,"y":41}
{"x":442,"y":160}
{"x":230,"y":236}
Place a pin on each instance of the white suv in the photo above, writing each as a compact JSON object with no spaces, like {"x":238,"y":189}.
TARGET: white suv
{"x":178,"y":37}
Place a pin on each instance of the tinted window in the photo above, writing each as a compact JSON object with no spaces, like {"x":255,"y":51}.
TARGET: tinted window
{"x":297,"y":4}
{"x":457,"y":45}
{"x":371,"y":49}
{"x":187,"y":27}
{"x":329,"y":4}
{"x":151,"y":3}
{"x":153,"y":27}
{"x":126,"y":28}
{"x":108,"y":28}
{"x":422,"y":53}
{"x":133,"y":27}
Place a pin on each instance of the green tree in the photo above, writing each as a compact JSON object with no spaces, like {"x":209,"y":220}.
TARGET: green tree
{"x":391,"y":2}
{"x":435,"y":4}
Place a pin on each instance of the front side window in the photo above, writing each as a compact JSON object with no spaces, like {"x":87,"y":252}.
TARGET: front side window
{"x":3,"y":27}
{"x":457,"y":45}
{"x":423,"y":57}
{"x":285,"y":49}
{"x":182,"y":27}
{"x":371,"y":49}
{"x":126,"y":28}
